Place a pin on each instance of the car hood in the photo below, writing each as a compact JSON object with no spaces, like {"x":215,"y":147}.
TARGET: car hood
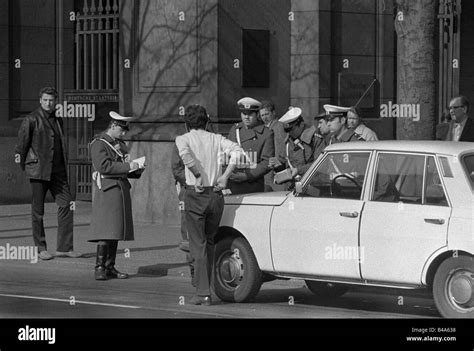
{"x":264,"y":199}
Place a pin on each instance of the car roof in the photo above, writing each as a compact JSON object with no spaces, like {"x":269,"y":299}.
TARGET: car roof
{"x":431,"y":146}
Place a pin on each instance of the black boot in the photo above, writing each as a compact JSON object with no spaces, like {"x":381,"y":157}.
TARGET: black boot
{"x":110,"y":263}
{"x":100,"y":271}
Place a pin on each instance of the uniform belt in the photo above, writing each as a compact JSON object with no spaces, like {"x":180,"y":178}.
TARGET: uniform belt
{"x":207,"y":189}
{"x":112,"y":177}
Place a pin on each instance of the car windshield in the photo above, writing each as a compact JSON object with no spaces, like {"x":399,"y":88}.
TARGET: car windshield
{"x":469,"y":166}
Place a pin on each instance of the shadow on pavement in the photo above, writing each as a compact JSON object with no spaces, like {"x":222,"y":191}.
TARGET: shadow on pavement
{"x":157,"y":270}
{"x":134,"y":249}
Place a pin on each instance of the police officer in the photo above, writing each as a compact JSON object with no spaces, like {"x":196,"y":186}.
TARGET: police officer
{"x":337,"y":122}
{"x":258,"y":144}
{"x":301,"y":142}
{"x":111,"y":206}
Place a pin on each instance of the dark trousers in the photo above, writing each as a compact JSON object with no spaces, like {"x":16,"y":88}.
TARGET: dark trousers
{"x":59,"y":188}
{"x":184,"y":228}
{"x":203,"y":214}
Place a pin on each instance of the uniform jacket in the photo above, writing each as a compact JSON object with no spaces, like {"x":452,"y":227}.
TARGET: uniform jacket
{"x":279,"y":136}
{"x":36,"y":144}
{"x":111,"y":205}
{"x":258,"y":143}
{"x":348,"y":135}
{"x":467,"y":132}
{"x":301,"y":157}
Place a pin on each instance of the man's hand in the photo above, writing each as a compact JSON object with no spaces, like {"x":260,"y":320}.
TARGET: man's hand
{"x":221,"y":183}
{"x":239,"y":177}
{"x":294,"y":172}
{"x":274,"y":162}
{"x":127,"y":158}
{"x":198,"y":187}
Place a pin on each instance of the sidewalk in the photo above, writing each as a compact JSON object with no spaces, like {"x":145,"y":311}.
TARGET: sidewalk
{"x":154,"y":250}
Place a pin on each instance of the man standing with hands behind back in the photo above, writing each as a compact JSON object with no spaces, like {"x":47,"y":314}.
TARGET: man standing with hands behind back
{"x":43,"y":156}
{"x":203,"y":153}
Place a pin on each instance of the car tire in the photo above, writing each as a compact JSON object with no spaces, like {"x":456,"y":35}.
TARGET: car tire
{"x":453,"y":287}
{"x":326,"y":290}
{"x":237,"y":275}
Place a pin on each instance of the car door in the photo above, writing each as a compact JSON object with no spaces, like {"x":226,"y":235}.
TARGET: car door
{"x":316,"y":232}
{"x":406,"y":219}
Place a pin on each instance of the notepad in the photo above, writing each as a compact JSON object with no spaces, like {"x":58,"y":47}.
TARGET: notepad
{"x":140,"y":161}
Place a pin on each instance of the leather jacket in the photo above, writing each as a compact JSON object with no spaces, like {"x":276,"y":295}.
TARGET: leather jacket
{"x":36,"y":145}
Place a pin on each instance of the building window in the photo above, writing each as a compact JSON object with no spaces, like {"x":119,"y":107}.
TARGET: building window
{"x":255,"y":58}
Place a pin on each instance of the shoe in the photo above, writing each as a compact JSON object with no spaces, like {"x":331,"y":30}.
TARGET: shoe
{"x":184,"y":246}
{"x":45,"y":255}
{"x":200,"y":300}
{"x":72,"y":254}
{"x":113,"y":273}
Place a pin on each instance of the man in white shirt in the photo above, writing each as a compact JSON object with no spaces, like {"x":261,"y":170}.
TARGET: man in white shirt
{"x":203,"y":154}
{"x":354,"y":122}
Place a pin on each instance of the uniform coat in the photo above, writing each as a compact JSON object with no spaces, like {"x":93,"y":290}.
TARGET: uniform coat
{"x":36,"y":144}
{"x":259,"y":144}
{"x":111,"y":205}
{"x":312,"y":143}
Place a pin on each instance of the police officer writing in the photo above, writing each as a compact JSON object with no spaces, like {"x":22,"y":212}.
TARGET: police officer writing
{"x":257,"y":142}
{"x":111,"y":205}
{"x":203,"y":153}
{"x":337,"y":122}
{"x":301,"y":143}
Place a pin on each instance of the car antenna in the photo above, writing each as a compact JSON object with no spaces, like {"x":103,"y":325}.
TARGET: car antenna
{"x":365,"y":92}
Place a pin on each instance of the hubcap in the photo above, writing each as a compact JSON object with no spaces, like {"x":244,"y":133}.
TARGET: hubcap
{"x":231,"y":269}
{"x":460,"y":289}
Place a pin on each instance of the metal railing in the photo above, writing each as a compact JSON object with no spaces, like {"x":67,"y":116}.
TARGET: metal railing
{"x":449,"y":15}
{"x":97,"y":31}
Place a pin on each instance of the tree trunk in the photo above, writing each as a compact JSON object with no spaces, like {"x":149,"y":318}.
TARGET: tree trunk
{"x":416,"y":83}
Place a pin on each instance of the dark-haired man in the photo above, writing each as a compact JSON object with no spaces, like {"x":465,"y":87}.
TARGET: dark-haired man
{"x":43,"y":156}
{"x":461,"y":127}
{"x":203,"y":154}
{"x":267,"y":113}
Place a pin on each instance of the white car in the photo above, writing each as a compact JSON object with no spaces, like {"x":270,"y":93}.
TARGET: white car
{"x":395,"y":214}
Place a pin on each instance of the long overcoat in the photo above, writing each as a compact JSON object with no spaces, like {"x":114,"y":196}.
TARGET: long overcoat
{"x":111,"y":205}
{"x":258,"y":143}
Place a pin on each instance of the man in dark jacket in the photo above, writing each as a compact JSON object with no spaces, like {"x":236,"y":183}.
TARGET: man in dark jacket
{"x":111,"y":206}
{"x":461,"y":127}
{"x":43,"y":156}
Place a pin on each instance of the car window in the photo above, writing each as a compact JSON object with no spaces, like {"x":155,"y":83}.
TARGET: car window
{"x":434,"y":192}
{"x":398,"y":178}
{"x":468,"y":161}
{"x":340,"y":175}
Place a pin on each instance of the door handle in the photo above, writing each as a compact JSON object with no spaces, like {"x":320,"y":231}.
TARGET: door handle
{"x":434,"y":220}
{"x":349,"y":214}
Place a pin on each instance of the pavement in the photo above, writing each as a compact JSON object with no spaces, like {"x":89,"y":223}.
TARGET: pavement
{"x":154,"y":250}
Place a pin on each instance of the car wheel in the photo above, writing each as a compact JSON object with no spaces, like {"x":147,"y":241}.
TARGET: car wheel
{"x":237,"y":275}
{"x":325,"y":290}
{"x":453,"y":287}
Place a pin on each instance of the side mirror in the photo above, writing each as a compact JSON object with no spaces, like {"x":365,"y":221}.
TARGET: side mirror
{"x":298,"y":187}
